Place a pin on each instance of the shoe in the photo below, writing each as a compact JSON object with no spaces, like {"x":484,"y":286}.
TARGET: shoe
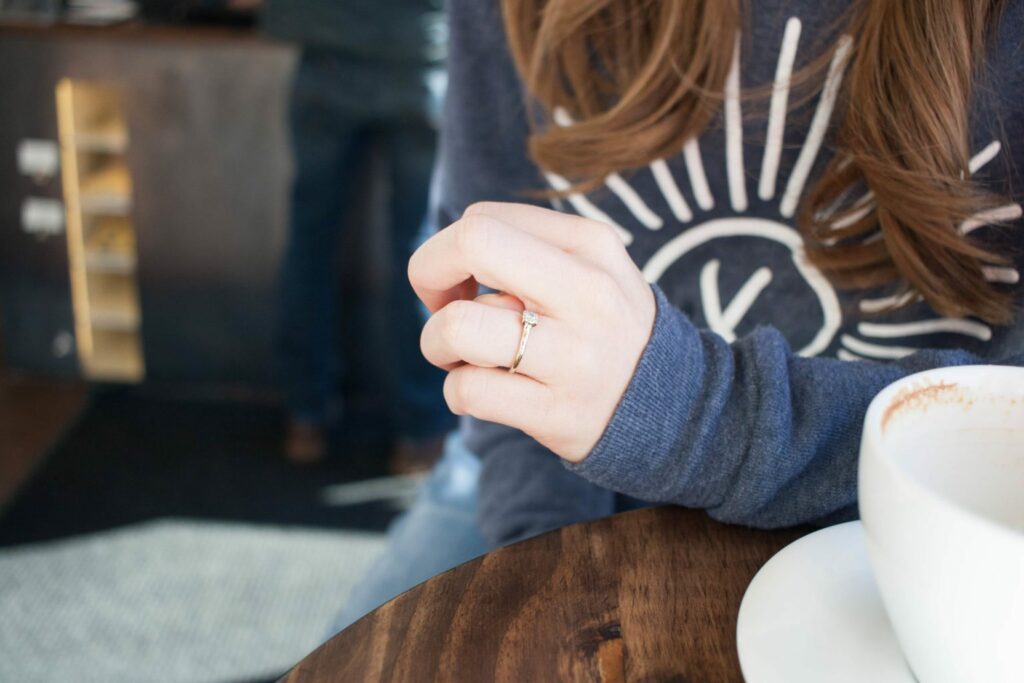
{"x":305,"y":442}
{"x":413,"y":455}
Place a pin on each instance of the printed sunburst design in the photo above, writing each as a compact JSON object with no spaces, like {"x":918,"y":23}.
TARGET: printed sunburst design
{"x":696,"y":232}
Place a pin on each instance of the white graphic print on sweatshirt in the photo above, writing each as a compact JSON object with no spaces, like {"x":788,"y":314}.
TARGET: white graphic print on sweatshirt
{"x":853,"y":335}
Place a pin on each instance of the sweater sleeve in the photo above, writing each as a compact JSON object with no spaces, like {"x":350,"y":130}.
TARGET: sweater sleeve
{"x":750,"y":431}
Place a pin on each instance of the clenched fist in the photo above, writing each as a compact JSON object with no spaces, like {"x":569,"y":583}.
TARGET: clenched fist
{"x":595,"y":314}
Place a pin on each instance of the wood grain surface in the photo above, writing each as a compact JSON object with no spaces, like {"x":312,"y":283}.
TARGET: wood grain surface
{"x":647,"y":596}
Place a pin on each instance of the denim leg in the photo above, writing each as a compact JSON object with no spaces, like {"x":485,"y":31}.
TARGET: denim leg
{"x":437,"y":533}
{"x":421,"y":407}
{"x":326,"y":145}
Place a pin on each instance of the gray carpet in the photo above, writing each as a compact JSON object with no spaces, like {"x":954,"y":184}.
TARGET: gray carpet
{"x":174,"y":600}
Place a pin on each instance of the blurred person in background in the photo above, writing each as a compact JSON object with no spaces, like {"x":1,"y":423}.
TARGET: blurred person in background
{"x":371,"y":71}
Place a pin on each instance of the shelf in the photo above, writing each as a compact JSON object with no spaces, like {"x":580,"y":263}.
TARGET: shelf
{"x":96,"y":107}
{"x":106,"y":190}
{"x":101,"y":238}
{"x":109,"y":262}
{"x":110,"y":245}
{"x":117,"y":357}
{"x":109,"y":137}
{"x":113,"y":302}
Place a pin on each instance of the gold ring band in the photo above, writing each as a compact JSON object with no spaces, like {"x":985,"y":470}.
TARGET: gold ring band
{"x":530,"y":321}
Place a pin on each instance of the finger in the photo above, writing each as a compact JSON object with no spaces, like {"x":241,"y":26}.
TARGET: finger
{"x":488,"y":337}
{"x":498,"y":396}
{"x":467,"y":289}
{"x":592,"y":240}
{"x":498,"y":256}
{"x":501,"y":300}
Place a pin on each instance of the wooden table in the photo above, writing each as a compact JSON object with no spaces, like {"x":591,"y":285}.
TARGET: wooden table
{"x":649,"y":596}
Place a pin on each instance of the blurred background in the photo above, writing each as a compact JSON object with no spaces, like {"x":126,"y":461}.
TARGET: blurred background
{"x":211,"y":399}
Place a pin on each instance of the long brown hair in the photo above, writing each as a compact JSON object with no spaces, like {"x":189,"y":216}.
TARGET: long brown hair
{"x":641,"y":77}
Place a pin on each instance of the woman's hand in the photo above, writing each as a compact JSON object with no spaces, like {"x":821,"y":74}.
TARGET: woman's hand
{"x":596,"y":312}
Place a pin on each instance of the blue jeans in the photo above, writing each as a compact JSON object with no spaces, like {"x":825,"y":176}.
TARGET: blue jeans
{"x":331,"y":134}
{"x":438,"y":532}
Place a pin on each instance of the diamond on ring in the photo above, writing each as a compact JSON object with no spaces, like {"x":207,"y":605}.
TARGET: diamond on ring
{"x":530,"y":320}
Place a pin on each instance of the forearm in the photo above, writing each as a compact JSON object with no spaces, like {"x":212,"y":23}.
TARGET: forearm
{"x":749,"y":431}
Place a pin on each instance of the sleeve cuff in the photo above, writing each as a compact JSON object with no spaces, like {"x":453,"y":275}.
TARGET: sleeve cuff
{"x":652,"y":415}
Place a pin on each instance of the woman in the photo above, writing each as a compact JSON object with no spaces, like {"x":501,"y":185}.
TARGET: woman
{"x":770,"y":211}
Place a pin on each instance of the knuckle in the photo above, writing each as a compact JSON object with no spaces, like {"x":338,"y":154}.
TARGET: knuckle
{"x":413,"y":268}
{"x":425,"y":338}
{"x":604,"y":285}
{"x":462,"y":391}
{"x":478,"y":208}
{"x":454,"y":321}
{"x":609,"y":238}
{"x":464,"y":386}
{"x":451,"y":395}
{"x":473,"y":234}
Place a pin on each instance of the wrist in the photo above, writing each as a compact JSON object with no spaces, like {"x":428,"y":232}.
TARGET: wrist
{"x":653,"y":412}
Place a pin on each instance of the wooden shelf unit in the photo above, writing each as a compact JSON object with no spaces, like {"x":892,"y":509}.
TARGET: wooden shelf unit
{"x":106,"y":186}
{"x":105,"y":136}
{"x":113,"y":300}
{"x":109,"y":244}
{"x":117,"y":357}
{"x":101,"y":236}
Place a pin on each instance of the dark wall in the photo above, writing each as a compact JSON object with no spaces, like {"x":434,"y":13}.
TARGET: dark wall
{"x":210,"y":165}
{"x":34,"y":289}
{"x":209,"y":158}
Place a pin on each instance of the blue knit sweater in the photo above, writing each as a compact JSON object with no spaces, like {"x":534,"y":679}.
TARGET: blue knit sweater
{"x":749,"y":398}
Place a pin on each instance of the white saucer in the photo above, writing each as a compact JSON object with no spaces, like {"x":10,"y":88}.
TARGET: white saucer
{"x":813,"y":613}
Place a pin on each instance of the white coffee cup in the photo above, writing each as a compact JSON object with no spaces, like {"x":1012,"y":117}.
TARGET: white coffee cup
{"x":942,"y":502}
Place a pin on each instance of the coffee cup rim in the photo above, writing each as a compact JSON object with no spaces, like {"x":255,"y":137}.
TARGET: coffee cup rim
{"x":876,"y":418}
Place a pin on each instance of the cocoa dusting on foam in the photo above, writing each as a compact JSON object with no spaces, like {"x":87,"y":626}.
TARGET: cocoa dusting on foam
{"x":917,"y":398}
